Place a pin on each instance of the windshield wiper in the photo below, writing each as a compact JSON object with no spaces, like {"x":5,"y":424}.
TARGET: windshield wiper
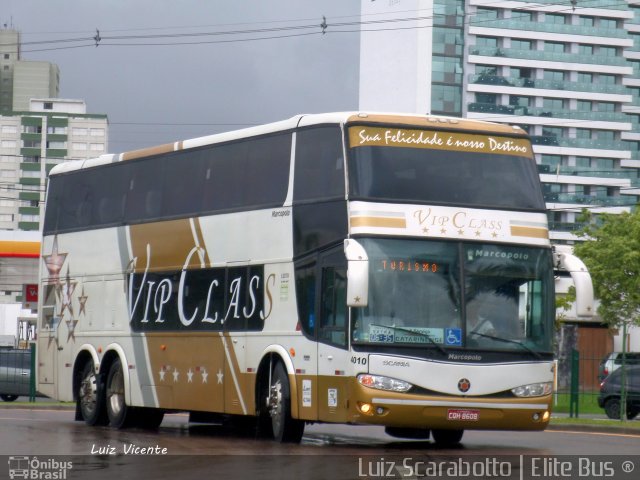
{"x":508,"y":340}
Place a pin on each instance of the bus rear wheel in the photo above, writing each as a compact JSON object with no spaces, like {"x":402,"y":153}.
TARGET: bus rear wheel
{"x":447,"y":438}
{"x":90,"y":399}
{"x":285,"y":429}
{"x":117,"y":410}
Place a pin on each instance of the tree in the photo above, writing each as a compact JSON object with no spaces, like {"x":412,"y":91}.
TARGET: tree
{"x":611,"y":252}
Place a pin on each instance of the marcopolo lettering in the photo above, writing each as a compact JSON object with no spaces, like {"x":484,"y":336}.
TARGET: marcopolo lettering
{"x":501,"y":254}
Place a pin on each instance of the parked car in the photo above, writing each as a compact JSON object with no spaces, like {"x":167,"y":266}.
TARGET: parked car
{"x":613,"y":361}
{"x":611,"y":388}
{"x":15,"y":373}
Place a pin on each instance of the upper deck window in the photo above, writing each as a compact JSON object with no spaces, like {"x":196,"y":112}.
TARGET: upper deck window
{"x":442,"y":168}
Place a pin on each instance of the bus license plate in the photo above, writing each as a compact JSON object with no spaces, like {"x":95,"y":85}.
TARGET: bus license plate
{"x":463,"y":415}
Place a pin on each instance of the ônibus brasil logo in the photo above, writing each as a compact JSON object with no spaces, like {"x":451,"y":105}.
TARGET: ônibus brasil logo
{"x":40,"y":469}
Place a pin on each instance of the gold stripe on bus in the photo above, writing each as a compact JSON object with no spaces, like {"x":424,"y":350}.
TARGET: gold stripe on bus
{"x":531,"y":232}
{"x":195,"y":373}
{"x":237,"y":388}
{"x":199,"y":238}
{"x":367,"y":136}
{"x":185,"y":369}
{"x":147,"y":152}
{"x":170,"y":244}
{"x":384,"y":222}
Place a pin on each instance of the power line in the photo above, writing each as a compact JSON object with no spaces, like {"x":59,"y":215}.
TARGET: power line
{"x":320,"y":29}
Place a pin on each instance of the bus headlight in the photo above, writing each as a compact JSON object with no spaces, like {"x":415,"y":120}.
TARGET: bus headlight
{"x":533,"y":389}
{"x":383,"y":383}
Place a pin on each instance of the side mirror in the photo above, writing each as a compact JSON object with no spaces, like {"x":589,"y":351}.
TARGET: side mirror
{"x":357,"y":274}
{"x":565,"y":260}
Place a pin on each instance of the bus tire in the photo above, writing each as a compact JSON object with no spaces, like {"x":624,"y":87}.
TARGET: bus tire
{"x":117,"y":410}
{"x":447,"y":438}
{"x":90,"y":399}
{"x":8,"y":398}
{"x":285,"y":429}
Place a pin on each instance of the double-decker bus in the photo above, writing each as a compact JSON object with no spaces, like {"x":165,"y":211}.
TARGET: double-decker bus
{"x":379,"y":269}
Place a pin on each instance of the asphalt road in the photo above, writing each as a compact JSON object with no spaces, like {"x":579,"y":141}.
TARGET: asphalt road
{"x":182,"y":450}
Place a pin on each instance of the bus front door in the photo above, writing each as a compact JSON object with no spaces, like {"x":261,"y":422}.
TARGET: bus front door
{"x":332,"y":337}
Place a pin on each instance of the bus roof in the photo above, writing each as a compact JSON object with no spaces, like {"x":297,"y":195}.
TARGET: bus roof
{"x":413,"y":120}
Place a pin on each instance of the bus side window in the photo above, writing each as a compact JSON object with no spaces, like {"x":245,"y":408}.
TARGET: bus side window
{"x":319,"y":169}
{"x":333,"y":309}
{"x":306,"y":297}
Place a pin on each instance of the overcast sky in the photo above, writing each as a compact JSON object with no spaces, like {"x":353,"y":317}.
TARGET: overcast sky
{"x":162,"y":93}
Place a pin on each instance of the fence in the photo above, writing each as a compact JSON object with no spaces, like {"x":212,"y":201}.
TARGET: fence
{"x":17,"y":373}
{"x":579,"y":382}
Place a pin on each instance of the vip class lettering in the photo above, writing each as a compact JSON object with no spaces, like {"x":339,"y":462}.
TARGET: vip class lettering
{"x":166,"y":301}
{"x":460,"y":219}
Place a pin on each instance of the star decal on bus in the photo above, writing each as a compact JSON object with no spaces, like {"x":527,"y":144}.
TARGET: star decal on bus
{"x":66,"y":290}
{"x":82,"y":299}
{"x":54,"y":261}
{"x":53,"y":339}
{"x":220,"y":375}
{"x":71,"y":329}
{"x":191,"y":373}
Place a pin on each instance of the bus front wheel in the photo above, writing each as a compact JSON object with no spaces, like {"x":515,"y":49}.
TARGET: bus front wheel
{"x":285,"y":428}
{"x":117,"y":410}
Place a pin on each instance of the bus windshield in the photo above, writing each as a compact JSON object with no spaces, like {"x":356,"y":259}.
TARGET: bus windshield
{"x":392,"y":172}
{"x":456,"y":295}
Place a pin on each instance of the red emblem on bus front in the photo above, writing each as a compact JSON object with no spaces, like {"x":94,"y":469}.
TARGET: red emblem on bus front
{"x":464,"y":385}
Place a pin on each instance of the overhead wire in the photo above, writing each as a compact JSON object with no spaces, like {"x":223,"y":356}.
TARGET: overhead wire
{"x":105,"y":40}
{"x":330,"y":28}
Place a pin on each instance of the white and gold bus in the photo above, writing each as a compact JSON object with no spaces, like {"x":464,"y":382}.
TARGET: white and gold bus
{"x":390,"y":270}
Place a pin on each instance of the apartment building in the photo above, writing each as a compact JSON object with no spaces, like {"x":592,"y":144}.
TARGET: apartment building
{"x":565,"y":71}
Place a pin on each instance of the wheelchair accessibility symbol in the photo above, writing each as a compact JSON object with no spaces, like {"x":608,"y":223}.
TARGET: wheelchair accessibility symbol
{"x":452,"y":336}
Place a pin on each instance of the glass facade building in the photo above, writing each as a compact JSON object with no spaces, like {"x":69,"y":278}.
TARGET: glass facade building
{"x":566,"y":72}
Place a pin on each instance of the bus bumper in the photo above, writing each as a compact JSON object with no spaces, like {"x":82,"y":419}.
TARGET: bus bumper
{"x":376,"y":407}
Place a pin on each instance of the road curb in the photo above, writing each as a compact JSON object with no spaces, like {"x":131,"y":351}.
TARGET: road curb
{"x":575,"y":427}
